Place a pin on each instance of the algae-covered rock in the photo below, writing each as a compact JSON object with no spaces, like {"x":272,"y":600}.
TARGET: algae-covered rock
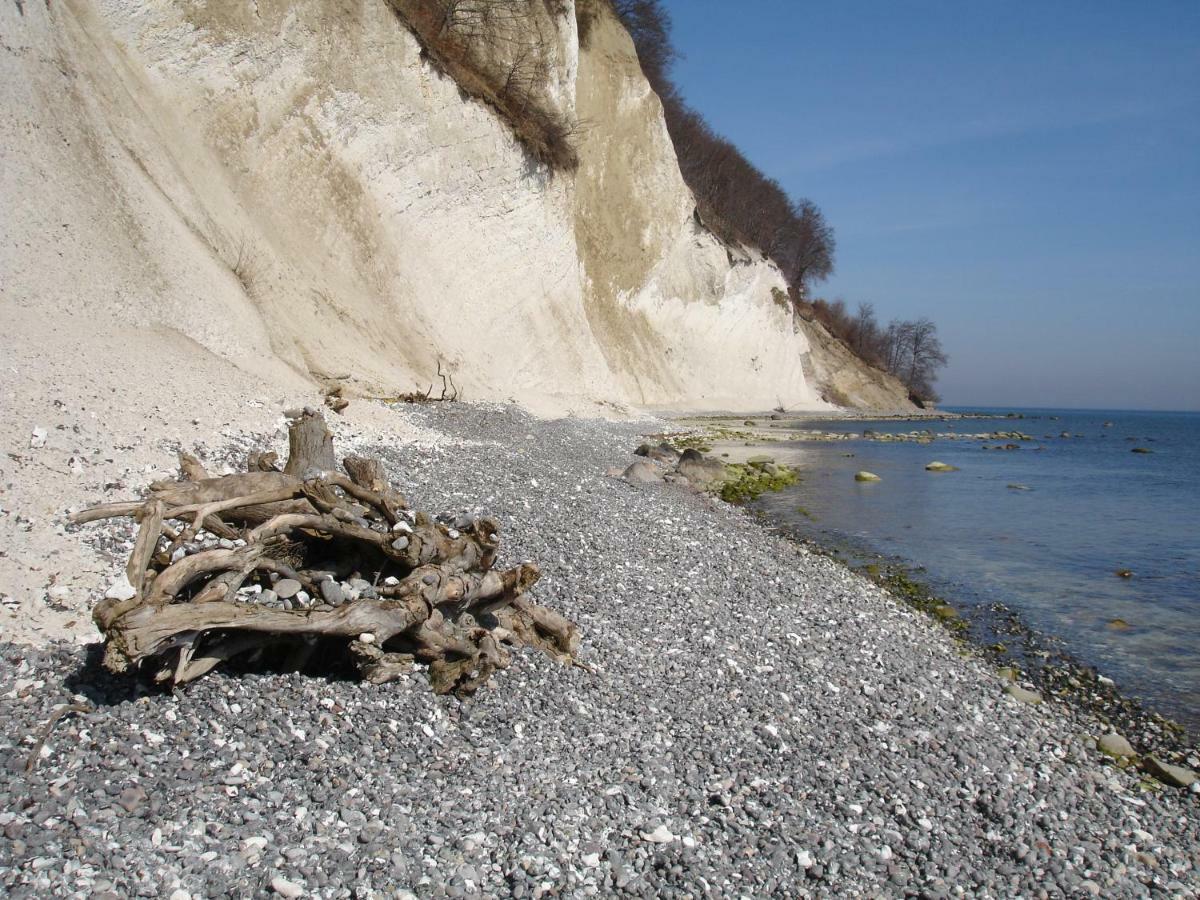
{"x":866,"y":476}
{"x":945,"y":612}
{"x":745,"y":482}
{"x":936,"y":466}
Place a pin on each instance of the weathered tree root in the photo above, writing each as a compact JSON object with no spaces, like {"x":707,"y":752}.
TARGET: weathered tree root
{"x":435,"y":597}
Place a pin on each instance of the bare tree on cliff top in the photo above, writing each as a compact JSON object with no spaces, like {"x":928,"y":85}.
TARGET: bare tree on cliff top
{"x":925,"y":358}
{"x":804,"y":246}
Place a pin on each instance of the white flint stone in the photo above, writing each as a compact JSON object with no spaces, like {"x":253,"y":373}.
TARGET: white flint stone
{"x":121,"y":590}
{"x":254,"y":845}
{"x":285,"y":888}
{"x":660,"y":835}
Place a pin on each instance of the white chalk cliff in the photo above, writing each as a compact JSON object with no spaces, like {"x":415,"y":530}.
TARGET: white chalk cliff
{"x":291,"y":190}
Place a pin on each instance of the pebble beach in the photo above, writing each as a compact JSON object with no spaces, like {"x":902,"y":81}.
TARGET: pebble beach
{"x":753,"y":720}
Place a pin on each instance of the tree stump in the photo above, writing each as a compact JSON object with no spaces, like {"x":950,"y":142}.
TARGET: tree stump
{"x":310,"y":445}
{"x":312,"y":566}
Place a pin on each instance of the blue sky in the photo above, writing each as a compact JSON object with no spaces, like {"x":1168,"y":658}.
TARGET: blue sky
{"x":1027,"y":174}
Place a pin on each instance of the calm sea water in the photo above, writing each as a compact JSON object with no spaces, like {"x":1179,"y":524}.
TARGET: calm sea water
{"x":1051,"y":552}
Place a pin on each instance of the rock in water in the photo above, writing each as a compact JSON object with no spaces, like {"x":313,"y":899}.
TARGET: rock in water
{"x":936,"y":466}
{"x":1033,"y":698}
{"x":1116,"y":746}
{"x":1176,"y":776}
{"x":866,"y":476}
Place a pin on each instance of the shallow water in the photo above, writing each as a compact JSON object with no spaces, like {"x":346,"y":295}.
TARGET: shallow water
{"x":1050,"y":552}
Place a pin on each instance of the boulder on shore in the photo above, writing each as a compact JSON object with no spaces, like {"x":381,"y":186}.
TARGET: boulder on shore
{"x":642,"y":472}
{"x":699,"y":469}
{"x":1176,"y":776}
{"x":1116,"y":746}
{"x":663,"y":453}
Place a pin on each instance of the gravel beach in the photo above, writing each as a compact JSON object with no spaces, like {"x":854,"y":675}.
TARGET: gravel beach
{"x":760,"y":722}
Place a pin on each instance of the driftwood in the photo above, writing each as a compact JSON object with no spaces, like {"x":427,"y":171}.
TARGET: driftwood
{"x":381,"y":586}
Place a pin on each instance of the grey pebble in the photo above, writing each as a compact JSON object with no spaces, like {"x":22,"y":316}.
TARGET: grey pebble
{"x":287,"y":587}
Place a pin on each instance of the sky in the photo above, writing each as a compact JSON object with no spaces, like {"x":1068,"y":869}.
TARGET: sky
{"x":1026,"y":174}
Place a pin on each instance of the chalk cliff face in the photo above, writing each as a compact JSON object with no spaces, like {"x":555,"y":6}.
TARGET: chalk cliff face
{"x":289,"y":186}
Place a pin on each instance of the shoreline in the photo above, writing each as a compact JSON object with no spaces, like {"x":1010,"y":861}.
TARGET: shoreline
{"x":1082,"y":689}
{"x":760,"y":721}
{"x":995,"y":629}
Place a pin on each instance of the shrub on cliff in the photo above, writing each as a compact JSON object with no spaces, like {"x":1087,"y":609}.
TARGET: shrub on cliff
{"x":736,"y":200}
{"x":495,"y":54}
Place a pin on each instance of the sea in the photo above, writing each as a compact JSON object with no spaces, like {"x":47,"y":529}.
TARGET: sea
{"x":1085,"y":540}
